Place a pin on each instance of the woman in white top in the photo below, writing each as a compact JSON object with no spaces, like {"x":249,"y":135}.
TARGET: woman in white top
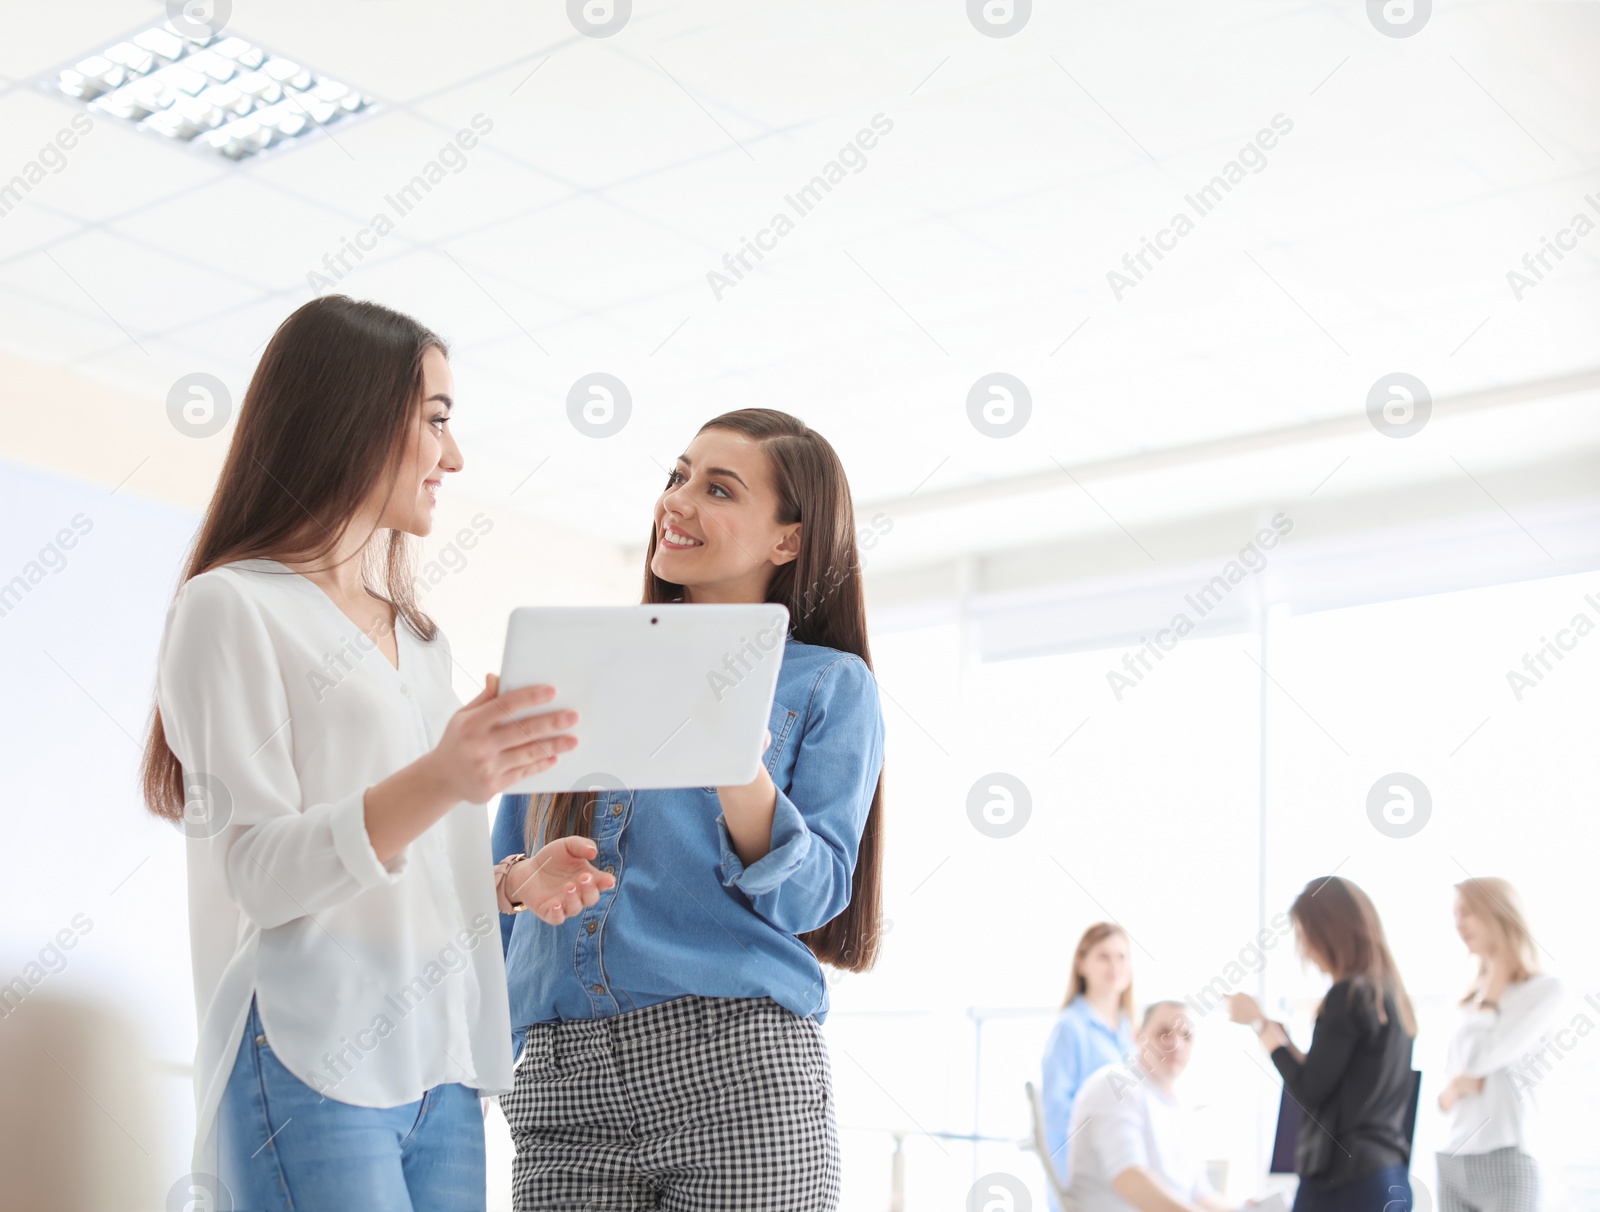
{"x":1487,"y":1164}
{"x":342,"y":898}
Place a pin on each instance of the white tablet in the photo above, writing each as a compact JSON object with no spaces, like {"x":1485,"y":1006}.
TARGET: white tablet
{"x":667,"y":696}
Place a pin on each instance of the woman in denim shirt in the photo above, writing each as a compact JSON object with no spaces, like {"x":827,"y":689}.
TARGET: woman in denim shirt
{"x":671,"y":1048}
{"x":1094,"y":1029}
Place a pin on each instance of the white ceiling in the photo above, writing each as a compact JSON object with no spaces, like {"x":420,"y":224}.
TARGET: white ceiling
{"x":977,"y":238}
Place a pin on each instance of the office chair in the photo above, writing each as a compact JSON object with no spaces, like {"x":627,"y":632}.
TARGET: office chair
{"x":1041,"y":1146}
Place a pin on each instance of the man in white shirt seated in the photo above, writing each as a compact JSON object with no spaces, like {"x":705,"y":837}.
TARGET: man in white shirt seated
{"x":1132,"y":1144}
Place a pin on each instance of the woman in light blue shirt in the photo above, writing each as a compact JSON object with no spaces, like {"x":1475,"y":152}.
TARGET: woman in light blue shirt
{"x":1094,"y":1029}
{"x":672,"y":1054}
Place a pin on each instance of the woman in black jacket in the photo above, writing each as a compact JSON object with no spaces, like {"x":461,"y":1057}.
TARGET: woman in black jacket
{"x":1354,"y":1083}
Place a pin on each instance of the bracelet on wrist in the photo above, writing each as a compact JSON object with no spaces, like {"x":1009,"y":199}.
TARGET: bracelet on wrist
{"x":502,"y":870}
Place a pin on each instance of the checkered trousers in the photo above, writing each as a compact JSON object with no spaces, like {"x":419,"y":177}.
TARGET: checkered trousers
{"x":693,"y":1105}
{"x":1501,"y":1180}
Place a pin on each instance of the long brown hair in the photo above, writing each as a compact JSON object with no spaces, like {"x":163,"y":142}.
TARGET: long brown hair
{"x":1495,"y":903}
{"x":1092,"y":938}
{"x":822,"y":589}
{"x":1340,"y":928}
{"x":322,"y":425}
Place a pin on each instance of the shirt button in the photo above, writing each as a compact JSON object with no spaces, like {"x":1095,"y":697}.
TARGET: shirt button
{"x":616,"y":809}
{"x":260,"y":1040}
{"x":405,"y":690}
{"x":609,"y":870}
{"x":598,"y":988}
{"x":590,"y":926}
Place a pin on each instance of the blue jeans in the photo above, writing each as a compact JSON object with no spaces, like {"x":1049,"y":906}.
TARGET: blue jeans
{"x":286,"y":1148}
{"x":1389,"y":1190}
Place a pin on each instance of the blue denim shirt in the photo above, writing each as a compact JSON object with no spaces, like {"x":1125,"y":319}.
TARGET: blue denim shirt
{"x":686,"y":915}
{"x":1079,"y":1044}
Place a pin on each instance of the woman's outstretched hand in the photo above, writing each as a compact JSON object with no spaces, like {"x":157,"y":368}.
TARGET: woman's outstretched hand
{"x":1242,"y":1008}
{"x":560,"y":881}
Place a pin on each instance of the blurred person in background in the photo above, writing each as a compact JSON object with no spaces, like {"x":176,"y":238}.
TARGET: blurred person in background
{"x":1094,"y":1029}
{"x":1488,"y":1162}
{"x":1354,"y":1083}
{"x":1134,"y":1145}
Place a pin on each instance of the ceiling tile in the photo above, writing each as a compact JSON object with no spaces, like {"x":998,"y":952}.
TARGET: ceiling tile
{"x":223,"y":224}
{"x":140,"y":290}
{"x":110,"y":169}
{"x":583,"y":230}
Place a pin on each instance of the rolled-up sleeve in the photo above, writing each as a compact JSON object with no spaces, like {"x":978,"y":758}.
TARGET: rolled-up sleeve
{"x":226,"y":717}
{"x":1116,"y":1133}
{"x":803,"y":881}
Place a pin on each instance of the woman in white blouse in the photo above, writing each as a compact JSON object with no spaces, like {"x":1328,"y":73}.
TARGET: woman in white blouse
{"x":1487,"y":1164}
{"x":342,"y":901}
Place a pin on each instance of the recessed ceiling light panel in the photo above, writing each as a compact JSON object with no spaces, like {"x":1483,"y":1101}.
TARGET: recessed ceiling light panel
{"x":212,"y":91}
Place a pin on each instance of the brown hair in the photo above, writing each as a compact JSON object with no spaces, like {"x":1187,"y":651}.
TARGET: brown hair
{"x":323,"y":423}
{"x":1495,"y":903}
{"x":1340,"y":930}
{"x":1092,"y":938}
{"x":821,"y":588}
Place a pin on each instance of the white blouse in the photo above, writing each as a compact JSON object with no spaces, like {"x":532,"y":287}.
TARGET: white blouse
{"x":374,"y":981}
{"x":1499,"y":1047}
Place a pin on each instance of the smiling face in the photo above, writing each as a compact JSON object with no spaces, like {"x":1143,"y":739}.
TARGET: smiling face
{"x":716,"y":524}
{"x":429,"y":452}
{"x":1165,"y":1043}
